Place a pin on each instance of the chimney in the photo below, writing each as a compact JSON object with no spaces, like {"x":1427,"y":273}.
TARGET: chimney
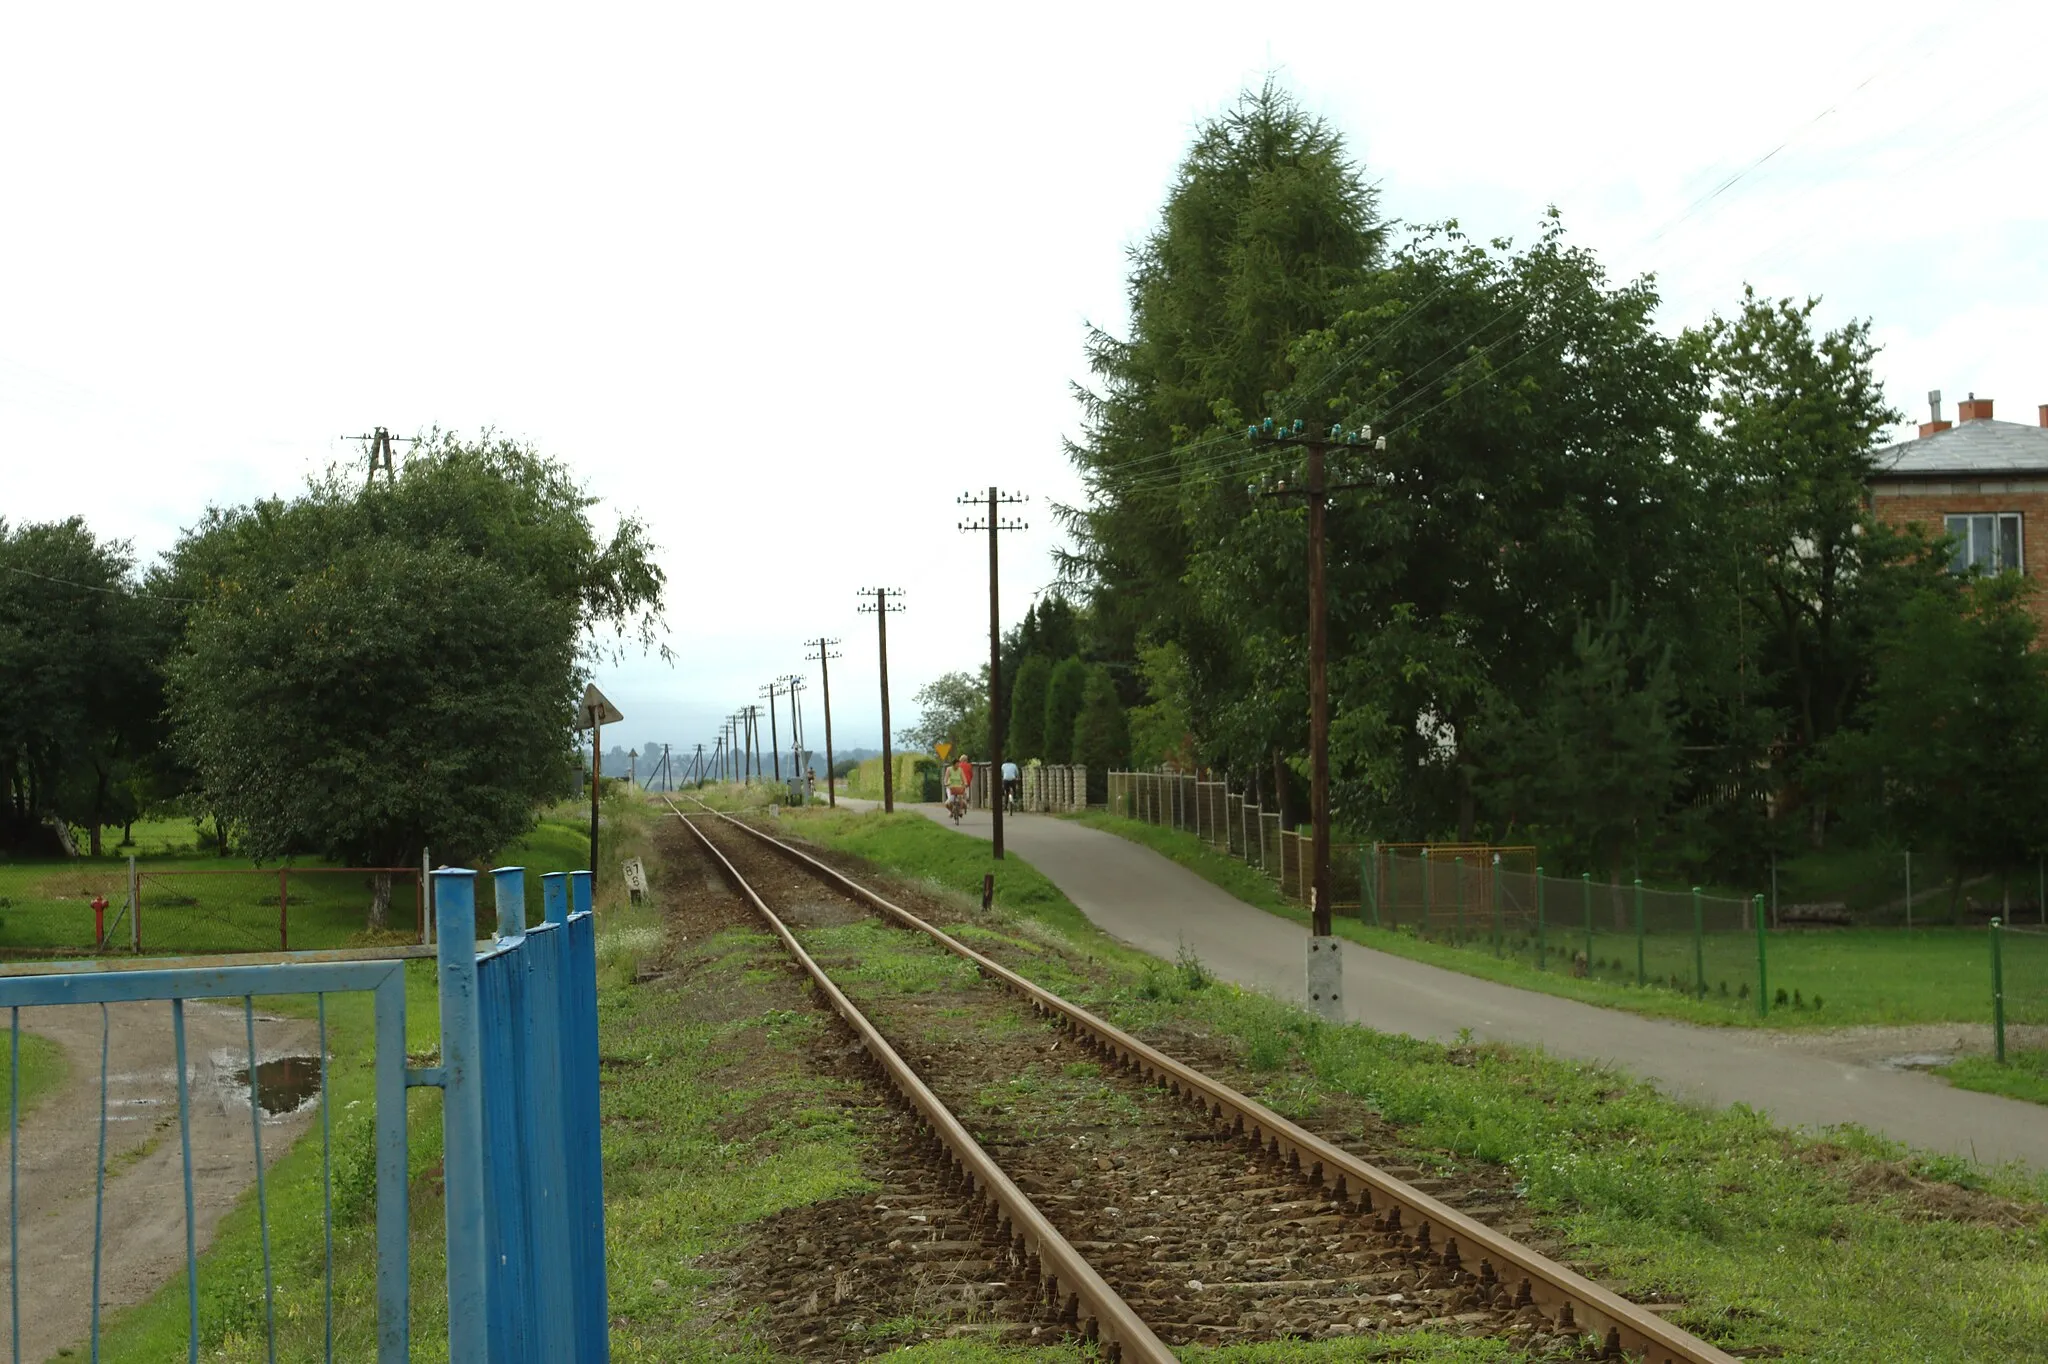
{"x":1936,"y":424}
{"x":2044,"y":414}
{"x":1974,"y":409}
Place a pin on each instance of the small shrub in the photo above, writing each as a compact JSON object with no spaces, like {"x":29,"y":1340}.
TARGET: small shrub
{"x":1797,"y":1002}
{"x":1816,"y":1001}
{"x":1782,"y":998}
{"x":1743,"y":993}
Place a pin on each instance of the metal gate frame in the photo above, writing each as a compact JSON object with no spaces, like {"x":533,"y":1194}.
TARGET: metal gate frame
{"x":525,"y":1229}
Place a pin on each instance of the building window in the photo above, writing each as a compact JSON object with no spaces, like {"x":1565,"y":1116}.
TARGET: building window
{"x":1986,"y":540}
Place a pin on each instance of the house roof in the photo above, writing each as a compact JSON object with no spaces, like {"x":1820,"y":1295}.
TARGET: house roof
{"x":1974,"y":447}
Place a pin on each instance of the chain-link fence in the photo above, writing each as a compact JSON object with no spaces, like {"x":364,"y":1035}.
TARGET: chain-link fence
{"x":1715,"y":948}
{"x":2019,"y":963}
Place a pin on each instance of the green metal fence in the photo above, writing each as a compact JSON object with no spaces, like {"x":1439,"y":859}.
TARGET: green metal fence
{"x":2019,"y":964}
{"x":1715,"y":948}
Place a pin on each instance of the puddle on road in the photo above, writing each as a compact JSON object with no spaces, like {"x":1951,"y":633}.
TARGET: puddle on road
{"x":1924,"y":1060}
{"x":284,"y":1085}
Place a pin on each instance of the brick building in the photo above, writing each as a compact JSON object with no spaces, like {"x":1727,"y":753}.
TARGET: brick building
{"x":1981,"y":481}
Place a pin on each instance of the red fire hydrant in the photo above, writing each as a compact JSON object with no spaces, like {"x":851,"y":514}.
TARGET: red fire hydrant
{"x":99,"y":921}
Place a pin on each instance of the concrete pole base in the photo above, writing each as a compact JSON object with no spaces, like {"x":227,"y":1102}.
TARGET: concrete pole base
{"x":1325,"y":980}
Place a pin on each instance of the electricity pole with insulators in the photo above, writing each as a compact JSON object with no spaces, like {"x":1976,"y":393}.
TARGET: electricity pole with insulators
{"x":1325,"y":964}
{"x":992,"y":521}
{"x":882,"y":608}
{"x":823,"y":657}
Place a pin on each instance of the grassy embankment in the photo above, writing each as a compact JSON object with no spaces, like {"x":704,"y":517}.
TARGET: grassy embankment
{"x":230,"y":1272}
{"x":1837,"y":1250}
{"x":865,"y":781}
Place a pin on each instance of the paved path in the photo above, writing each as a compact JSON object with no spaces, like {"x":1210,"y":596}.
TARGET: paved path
{"x":1144,"y":899}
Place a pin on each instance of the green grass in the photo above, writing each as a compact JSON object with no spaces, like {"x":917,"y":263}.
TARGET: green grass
{"x":1766,"y":1235}
{"x":190,"y":905}
{"x":921,"y":849}
{"x":865,"y":781}
{"x":690,"y":1158}
{"x":2023,"y":1076}
{"x":198,"y":903}
{"x":42,"y":1070}
{"x":1859,"y":976}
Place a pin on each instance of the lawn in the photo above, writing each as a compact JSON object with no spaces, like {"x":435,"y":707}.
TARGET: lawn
{"x":191,"y":904}
{"x":1764,"y":1234}
{"x":196,"y":904}
{"x":1830,"y":977}
{"x":42,"y":1070}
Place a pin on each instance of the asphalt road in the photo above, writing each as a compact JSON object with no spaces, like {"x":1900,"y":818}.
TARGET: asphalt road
{"x":1154,"y":904}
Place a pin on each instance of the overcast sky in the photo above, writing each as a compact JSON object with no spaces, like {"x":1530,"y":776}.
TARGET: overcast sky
{"x":785,"y":280}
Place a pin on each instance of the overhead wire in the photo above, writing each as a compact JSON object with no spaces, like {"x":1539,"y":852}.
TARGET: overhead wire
{"x":1178,"y":470}
{"x":137,"y":593}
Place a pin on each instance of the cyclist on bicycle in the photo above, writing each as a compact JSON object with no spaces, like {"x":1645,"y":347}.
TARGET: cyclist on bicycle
{"x":1013,"y":785}
{"x":958,"y":780}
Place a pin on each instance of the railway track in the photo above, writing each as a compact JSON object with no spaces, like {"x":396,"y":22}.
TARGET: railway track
{"x":1191,"y":1213}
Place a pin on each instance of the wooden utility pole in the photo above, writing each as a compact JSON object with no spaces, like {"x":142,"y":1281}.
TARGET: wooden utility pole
{"x":825,"y":657}
{"x":771,"y":691}
{"x":993,"y":523}
{"x":882,"y":609}
{"x":1325,"y":969}
{"x":791,"y":682}
{"x":1318,"y":695}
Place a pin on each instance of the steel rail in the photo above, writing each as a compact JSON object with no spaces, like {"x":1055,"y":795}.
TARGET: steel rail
{"x":1575,"y":1302}
{"x":1068,"y":1281}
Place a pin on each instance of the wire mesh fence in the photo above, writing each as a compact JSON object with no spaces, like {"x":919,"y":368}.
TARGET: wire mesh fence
{"x":1751,"y":955}
{"x":2020,"y":1010}
{"x":232,"y":910}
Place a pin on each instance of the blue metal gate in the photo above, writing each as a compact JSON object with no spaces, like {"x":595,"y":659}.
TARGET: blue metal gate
{"x":518,"y":1072}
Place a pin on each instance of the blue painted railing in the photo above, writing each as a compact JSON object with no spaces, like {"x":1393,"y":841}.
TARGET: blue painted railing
{"x":522,"y":1170}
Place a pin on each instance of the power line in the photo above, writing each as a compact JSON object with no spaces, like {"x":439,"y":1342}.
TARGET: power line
{"x":135,"y":592}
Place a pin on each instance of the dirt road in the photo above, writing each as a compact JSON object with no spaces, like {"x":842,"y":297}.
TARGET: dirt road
{"x":144,"y":1216}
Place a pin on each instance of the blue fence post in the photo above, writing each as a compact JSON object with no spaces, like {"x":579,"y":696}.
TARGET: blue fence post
{"x":462,"y":1116}
{"x":542,"y":1035}
{"x":583,"y":1127}
{"x":508,"y":886}
{"x":508,"y":1225}
{"x":394,"y":1266}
